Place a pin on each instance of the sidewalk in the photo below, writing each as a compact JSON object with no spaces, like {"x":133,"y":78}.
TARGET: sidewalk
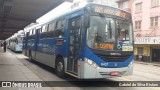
{"x":11,"y":69}
{"x":148,"y":63}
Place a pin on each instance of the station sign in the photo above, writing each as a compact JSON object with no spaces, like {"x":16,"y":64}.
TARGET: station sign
{"x":147,"y":40}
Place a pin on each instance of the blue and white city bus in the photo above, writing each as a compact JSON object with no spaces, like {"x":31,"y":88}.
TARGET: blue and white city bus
{"x":93,"y":41}
{"x":15,"y":42}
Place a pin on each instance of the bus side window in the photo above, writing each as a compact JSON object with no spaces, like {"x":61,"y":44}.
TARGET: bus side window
{"x":58,"y":27}
{"x":73,"y":24}
{"x":39,"y":30}
{"x":16,"y":40}
{"x":51,"y":28}
{"x":30,"y":32}
{"x":59,"y":32}
{"x":44,"y":28}
{"x":63,"y":26}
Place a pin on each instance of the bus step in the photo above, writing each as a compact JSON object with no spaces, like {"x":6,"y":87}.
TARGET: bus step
{"x":72,"y":73}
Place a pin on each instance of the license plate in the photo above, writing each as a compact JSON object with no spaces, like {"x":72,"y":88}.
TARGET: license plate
{"x":114,"y":73}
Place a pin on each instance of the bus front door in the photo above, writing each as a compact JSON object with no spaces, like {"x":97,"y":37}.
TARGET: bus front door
{"x":74,"y":40}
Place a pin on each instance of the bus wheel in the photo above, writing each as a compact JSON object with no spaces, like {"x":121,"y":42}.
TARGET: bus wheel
{"x":30,"y":56}
{"x":60,"y":67}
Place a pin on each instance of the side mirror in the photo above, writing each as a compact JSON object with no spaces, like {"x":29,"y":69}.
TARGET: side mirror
{"x":86,"y":21}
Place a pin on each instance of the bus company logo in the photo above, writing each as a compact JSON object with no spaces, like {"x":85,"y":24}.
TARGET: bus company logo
{"x":6,"y":84}
{"x":115,"y":54}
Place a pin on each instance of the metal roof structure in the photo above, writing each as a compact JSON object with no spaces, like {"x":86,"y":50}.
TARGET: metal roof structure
{"x":16,"y":14}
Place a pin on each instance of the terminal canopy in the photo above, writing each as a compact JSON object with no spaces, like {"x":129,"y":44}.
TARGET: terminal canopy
{"x":16,"y":14}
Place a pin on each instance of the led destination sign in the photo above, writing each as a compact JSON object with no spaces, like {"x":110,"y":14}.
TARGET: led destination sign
{"x":111,"y":11}
{"x":105,"y":46}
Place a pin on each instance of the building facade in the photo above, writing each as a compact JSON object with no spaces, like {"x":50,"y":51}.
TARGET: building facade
{"x":146,"y":25}
{"x":107,"y":2}
{"x":125,"y":4}
{"x":104,"y":2}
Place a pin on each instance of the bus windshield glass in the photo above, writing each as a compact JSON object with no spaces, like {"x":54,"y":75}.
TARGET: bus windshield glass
{"x":106,"y":33}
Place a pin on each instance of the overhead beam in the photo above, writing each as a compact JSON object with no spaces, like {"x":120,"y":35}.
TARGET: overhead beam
{"x":18,"y":19}
{"x":2,"y":28}
{"x":5,"y":36}
{"x":8,"y":32}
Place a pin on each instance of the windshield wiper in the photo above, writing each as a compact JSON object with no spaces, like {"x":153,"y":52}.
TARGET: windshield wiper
{"x":103,"y":18}
{"x":110,"y":29}
{"x":108,"y":24}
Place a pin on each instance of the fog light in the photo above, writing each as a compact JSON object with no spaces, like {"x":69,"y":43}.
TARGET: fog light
{"x":95,"y":65}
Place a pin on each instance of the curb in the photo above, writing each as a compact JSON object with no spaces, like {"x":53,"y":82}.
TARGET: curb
{"x":146,"y":63}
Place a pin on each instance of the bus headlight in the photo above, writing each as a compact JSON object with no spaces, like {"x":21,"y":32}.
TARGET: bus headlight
{"x":90,"y":62}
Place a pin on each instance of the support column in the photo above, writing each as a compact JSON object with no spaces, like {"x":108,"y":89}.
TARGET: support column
{"x":146,"y":54}
{"x":135,"y":53}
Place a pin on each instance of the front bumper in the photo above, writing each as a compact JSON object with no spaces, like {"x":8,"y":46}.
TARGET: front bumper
{"x":87,"y":71}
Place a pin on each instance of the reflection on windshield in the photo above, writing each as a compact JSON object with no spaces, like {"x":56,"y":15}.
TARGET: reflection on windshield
{"x":107,"y":33}
{"x":19,"y":39}
{"x":101,"y":30}
{"x":123,"y":31}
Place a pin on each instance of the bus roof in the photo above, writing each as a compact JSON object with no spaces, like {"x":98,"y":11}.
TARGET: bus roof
{"x":70,"y":11}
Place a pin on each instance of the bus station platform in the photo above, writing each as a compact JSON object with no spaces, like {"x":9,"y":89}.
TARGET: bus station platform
{"x":11,"y":69}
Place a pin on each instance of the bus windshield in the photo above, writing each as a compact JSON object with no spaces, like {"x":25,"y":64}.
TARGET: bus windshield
{"x":104,"y":33}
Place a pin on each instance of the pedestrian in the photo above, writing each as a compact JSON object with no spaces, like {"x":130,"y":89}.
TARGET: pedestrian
{"x":4,"y":46}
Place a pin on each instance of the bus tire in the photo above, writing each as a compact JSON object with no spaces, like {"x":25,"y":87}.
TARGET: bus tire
{"x":60,"y":67}
{"x":30,"y":56}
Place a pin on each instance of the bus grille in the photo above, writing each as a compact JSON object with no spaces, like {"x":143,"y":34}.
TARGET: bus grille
{"x":115,"y":58}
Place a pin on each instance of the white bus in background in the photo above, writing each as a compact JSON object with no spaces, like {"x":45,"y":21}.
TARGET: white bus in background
{"x":16,"y":41}
{"x":8,"y":42}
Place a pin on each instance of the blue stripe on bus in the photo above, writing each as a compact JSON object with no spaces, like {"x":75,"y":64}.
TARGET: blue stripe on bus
{"x":48,"y":46}
{"x":99,"y":61}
